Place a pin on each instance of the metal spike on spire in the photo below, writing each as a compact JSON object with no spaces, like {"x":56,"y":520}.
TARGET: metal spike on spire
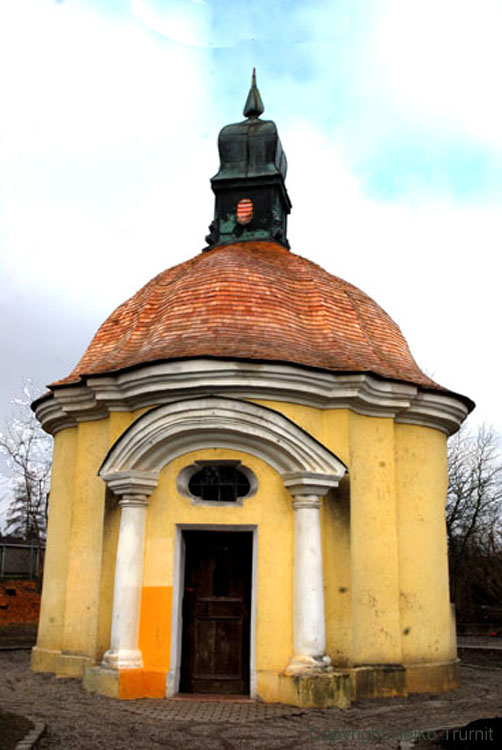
{"x":254,"y":105}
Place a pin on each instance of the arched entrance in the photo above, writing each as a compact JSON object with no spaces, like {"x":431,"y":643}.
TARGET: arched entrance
{"x":131,"y":470}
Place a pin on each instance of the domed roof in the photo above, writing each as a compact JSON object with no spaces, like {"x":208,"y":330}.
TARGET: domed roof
{"x":253,"y":301}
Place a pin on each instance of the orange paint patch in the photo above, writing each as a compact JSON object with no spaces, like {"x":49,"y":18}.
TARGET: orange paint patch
{"x":155,"y":627}
{"x":142,"y":683}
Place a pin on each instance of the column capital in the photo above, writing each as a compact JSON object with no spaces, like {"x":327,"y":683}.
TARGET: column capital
{"x":132,"y":483}
{"x":136,"y":500}
{"x":306,"y":501}
{"x":301,"y":483}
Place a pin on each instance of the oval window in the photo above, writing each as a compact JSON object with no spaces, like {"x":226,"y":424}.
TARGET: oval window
{"x":244,"y":211}
{"x":221,"y":484}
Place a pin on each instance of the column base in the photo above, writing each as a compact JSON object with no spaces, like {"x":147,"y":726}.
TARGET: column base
{"x":61,"y":663}
{"x":379,"y":681}
{"x":122,"y":658}
{"x":321,"y":690}
{"x":102,"y":681}
{"x":391,"y":680}
{"x":125,"y":684}
{"x":433,"y":678}
{"x":302,"y":664}
{"x":44,"y":659}
{"x":72,"y":665}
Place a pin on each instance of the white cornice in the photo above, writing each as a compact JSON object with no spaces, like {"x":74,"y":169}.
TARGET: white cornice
{"x":165,"y":382}
{"x":438,"y":410}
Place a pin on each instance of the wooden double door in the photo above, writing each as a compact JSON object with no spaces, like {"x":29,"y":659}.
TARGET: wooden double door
{"x":216,"y":612}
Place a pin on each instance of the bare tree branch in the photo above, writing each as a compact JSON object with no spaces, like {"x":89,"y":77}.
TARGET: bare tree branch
{"x":27,"y":450}
{"x":474,"y":519}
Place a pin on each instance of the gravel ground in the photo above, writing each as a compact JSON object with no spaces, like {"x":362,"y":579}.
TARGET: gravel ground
{"x":480,"y":641}
{"x":77,"y":720}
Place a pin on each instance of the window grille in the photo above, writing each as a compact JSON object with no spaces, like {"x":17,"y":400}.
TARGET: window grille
{"x":223,"y":484}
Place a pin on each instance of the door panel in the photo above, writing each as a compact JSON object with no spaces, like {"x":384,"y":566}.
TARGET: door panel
{"x":216,"y":612}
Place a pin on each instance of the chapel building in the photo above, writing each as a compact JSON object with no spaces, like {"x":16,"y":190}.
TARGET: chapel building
{"x":249,"y":477}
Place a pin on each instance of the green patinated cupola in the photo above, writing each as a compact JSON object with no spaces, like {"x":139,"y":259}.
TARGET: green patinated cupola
{"x":251,"y":200}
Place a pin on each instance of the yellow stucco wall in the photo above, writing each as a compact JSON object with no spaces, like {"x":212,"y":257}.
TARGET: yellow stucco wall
{"x":335,"y":519}
{"x":85,"y":547}
{"x":421,"y":481}
{"x":52,"y":610}
{"x":118,"y":423}
{"x":383,"y":535}
{"x":269,"y":509}
{"x":374,"y":552}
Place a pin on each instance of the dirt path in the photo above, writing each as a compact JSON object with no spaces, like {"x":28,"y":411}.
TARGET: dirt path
{"x":79,"y":721}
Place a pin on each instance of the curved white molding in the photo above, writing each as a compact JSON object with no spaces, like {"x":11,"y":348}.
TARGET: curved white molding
{"x":169,"y":431}
{"x":165,"y":382}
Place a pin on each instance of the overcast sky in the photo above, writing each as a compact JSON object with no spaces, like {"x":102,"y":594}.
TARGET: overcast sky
{"x":390,"y":114}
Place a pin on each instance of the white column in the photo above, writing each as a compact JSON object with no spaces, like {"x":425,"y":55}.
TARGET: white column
{"x":309,"y":635}
{"x":309,"y":624}
{"x":123,"y":652}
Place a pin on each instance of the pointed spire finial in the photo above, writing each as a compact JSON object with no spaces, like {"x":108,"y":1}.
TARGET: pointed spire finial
{"x":254,"y":105}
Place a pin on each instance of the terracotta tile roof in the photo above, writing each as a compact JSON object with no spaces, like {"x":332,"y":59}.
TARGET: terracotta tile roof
{"x":252,"y":300}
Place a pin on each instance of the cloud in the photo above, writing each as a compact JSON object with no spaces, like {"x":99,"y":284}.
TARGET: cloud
{"x":219,"y":23}
{"x":184,"y":21}
{"x":109,"y":139}
{"x":101,"y":136}
{"x":83,"y":81}
{"x":439,"y":63}
{"x":410,"y":88}
{"x":434,"y":268}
